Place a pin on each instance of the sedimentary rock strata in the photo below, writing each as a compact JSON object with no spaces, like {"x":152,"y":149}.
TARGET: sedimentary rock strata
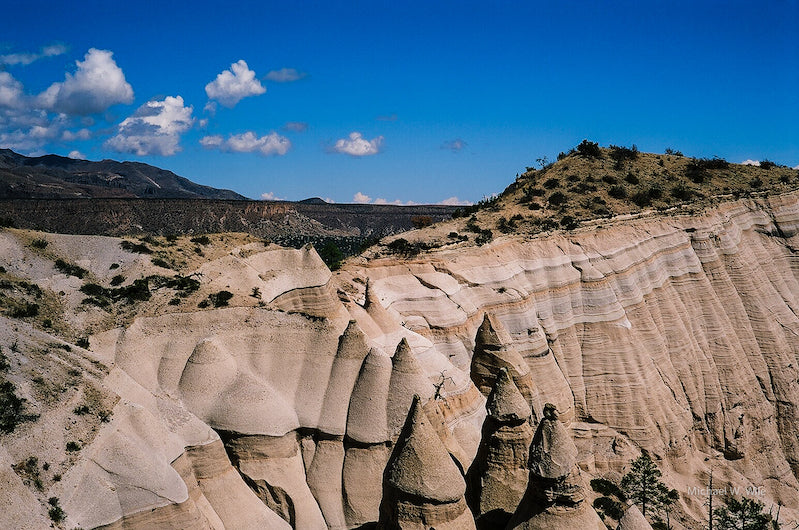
{"x":672,"y":334}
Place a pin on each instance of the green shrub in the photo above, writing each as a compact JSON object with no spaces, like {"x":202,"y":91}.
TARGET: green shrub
{"x":332,"y":255}
{"x":609,"y":179}
{"x":70,"y":269}
{"x":92,"y":289}
{"x":609,"y":507}
{"x":7,"y":222}
{"x":117,"y":280}
{"x":160,"y":262}
{"x":568,"y":222}
{"x":756,"y":182}
{"x":83,"y":342}
{"x":617,"y":192}
{"x":25,"y":310}
{"x":201,"y":240}
{"x":221,"y":298}
{"x":620,"y":154}
{"x":670,"y":151}
{"x":607,"y":488}
{"x":73,"y":446}
{"x":767,"y":164}
{"x":139,"y":248}
{"x":551,"y":184}
{"x":41,"y":244}
{"x":558,"y":198}
{"x":632,"y":179}
{"x":681,"y":192}
{"x":484,"y":237}
{"x":55,"y":512}
{"x":10,"y":407}
{"x":588,"y":149}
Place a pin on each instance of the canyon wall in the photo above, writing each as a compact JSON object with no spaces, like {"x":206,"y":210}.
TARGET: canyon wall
{"x":676,"y":335}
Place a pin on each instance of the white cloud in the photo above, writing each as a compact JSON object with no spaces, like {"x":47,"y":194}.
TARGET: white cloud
{"x":249,"y":142}
{"x":750,"y":162}
{"x":154,"y":129}
{"x":10,"y":91}
{"x":285,"y":75}
{"x":29,"y":57}
{"x":796,"y":166}
{"x":395,"y":202}
{"x":454,"y":145}
{"x":270,"y":196}
{"x":81,"y":134}
{"x":94,"y":87}
{"x":357,"y":145}
{"x":329,"y":200}
{"x":454,"y":201}
{"x":362,"y":198}
{"x":296,"y":126}
{"x":231,"y":86}
{"x":77,"y":155}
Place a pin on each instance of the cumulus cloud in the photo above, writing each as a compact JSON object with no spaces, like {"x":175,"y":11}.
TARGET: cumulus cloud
{"x":154,"y":129}
{"x":285,"y":75}
{"x":27,"y":58}
{"x":77,"y":155}
{"x":750,"y":162}
{"x":233,"y":85}
{"x":81,"y":134}
{"x":296,"y":126}
{"x":270,"y":196}
{"x":94,"y":87}
{"x":249,"y":142}
{"x":395,"y":202}
{"x":454,"y":201}
{"x":362,"y":198}
{"x":357,"y":145}
{"x":454,"y":145}
{"x":10,"y":91}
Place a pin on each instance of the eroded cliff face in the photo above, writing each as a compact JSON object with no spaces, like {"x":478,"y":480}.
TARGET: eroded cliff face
{"x":675,"y":335}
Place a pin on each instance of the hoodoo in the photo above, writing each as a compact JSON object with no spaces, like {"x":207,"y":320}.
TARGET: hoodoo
{"x":555,"y":496}
{"x":492,"y":351}
{"x":498,"y":477}
{"x":422,"y":486}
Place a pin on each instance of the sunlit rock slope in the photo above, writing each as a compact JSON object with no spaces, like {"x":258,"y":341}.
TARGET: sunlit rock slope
{"x":280,"y":406}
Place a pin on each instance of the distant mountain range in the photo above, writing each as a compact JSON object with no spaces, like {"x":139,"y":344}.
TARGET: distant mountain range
{"x":58,"y":177}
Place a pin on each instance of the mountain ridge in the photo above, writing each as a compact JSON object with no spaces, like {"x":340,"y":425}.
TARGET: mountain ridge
{"x":53,"y":176}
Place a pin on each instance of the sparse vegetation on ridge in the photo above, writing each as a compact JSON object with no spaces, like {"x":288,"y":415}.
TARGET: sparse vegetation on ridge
{"x":590,"y":182}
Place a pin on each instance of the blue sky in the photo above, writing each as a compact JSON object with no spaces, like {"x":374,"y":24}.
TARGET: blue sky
{"x":394,"y":101}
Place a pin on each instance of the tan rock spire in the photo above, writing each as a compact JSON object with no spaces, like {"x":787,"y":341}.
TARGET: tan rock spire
{"x":505,"y":403}
{"x":555,"y":497}
{"x":407,"y":378}
{"x":352,"y":349}
{"x":633,"y":519}
{"x":498,"y":476}
{"x":366,"y":418}
{"x":493,"y":350}
{"x":422,"y":486}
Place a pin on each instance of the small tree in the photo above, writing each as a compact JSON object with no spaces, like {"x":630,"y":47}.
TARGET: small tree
{"x":642,"y":484}
{"x":746,"y":514}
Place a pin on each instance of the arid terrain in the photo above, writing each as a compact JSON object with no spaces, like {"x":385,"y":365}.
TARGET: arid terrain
{"x":486,"y":368}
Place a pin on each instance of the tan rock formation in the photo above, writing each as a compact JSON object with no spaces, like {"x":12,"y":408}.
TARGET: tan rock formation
{"x":422,"y":486}
{"x":407,"y":378}
{"x":555,"y":496}
{"x":498,"y":476}
{"x":493,"y":350}
{"x":633,"y":519}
